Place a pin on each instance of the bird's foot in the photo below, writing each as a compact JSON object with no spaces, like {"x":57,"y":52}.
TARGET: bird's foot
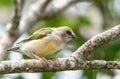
{"x":43,"y":60}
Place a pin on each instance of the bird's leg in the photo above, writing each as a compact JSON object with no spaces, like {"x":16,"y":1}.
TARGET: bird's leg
{"x":37,"y":57}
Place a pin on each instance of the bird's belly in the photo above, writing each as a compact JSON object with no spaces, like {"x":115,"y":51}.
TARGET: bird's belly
{"x":41,"y":48}
{"x":47,"y":49}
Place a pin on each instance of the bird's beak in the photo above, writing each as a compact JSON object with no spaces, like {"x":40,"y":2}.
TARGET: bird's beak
{"x":73,"y":36}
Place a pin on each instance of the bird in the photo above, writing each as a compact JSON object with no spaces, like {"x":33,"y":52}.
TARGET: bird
{"x":44,"y":41}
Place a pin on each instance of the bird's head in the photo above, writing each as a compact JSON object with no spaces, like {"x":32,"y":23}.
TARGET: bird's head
{"x":65,"y":33}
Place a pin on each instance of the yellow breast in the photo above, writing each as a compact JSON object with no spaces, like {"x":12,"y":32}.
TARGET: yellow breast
{"x":47,"y":49}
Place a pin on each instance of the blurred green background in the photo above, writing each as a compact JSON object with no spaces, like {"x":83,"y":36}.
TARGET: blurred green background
{"x":87,"y":19}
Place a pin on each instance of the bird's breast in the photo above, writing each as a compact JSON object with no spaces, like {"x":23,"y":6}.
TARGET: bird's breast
{"x":47,"y":49}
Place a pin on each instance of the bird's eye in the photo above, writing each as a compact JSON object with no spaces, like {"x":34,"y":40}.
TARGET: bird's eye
{"x":68,"y":32}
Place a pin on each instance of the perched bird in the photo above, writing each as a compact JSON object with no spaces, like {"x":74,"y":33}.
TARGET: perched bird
{"x":44,"y":42}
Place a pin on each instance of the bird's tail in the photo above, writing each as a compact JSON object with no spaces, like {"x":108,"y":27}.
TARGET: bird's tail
{"x":16,"y":49}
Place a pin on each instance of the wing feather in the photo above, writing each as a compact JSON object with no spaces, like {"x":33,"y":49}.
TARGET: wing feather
{"x":37,"y":35}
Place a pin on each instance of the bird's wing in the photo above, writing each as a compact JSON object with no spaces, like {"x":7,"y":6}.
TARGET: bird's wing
{"x":37,"y":35}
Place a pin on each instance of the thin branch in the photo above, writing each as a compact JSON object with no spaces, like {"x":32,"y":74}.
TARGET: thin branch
{"x":12,"y":28}
{"x":63,"y":64}
{"x":95,"y":42}
{"x":36,"y":14}
{"x":45,"y":5}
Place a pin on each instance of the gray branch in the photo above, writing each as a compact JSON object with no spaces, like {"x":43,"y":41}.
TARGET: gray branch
{"x":88,"y":47}
{"x":63,"y":64}
{"x":12,"y":28}
{"x":11,"y":31}
{"x":36,"y":12}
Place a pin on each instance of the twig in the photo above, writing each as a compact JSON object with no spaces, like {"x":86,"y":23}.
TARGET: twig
{"x":12,"y":28}
{"x":95,"y":42}
{"x":45,"y":5}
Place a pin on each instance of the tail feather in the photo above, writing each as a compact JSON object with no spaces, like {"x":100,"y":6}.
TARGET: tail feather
{"x":13,"y":49}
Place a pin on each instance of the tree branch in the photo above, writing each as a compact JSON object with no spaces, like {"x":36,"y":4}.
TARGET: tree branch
{"x":36,"y":13}
{"x":73,"y":62}
{"x":63,"y":64}
{"x":43,"y":6}
{"x":88,"y":47}
{"x":11,"y":31}
{"x":12,"y":28}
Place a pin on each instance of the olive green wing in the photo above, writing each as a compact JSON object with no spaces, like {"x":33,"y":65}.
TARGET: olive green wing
{"x":37,"y":35}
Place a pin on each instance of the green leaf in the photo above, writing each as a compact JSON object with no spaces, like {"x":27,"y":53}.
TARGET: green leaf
{"x":19,"y":77}
{"x":90,"y":74}
{"x":6,"y":3}
{"x":26,"y":57}
{"x":84,"y":20}
{"x":47,"y":75}
{"x":59,"y":21}
{"x":108,"y":51}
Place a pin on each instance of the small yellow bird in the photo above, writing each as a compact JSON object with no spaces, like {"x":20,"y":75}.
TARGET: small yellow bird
{"x":44,"y":42}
